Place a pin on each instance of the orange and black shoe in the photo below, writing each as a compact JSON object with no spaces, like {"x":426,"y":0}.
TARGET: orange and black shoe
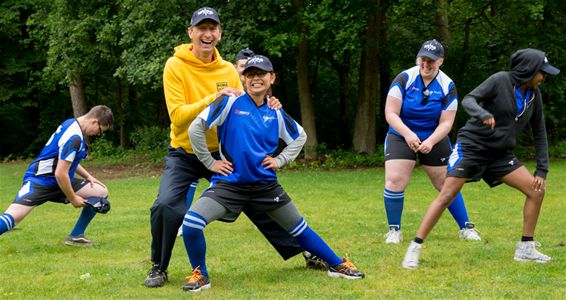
{"x":345,"y":270}
{"x":196,"y":282}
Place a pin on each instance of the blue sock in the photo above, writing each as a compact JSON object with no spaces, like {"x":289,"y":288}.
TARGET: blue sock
{"x":310,"y":241}
{"x":393,"y":206}
{"x":191,"y":193}
{"x":6,"y":222}
{"x":458,"y":210}
{"x":194,"y":240}
{"x":86,"y":216}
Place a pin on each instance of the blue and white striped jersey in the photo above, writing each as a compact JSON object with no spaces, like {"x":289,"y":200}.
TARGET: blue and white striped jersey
{"x":247,"y":134}
{"x":422,"y":106}
{"x":66,"y":143}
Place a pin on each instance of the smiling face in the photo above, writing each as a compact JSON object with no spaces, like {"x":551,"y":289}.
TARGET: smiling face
{"x":204,"y":37}
{"x":428,"y":67}
{"x":258,"y":81}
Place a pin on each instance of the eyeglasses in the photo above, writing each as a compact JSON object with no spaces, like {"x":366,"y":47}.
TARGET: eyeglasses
{"x":252,"y":74}
{"x":426,"y":93}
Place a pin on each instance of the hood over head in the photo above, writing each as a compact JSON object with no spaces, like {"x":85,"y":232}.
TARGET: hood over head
{"x":525,"y":64}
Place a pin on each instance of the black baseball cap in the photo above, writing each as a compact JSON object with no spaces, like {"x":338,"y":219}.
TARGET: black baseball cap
{"x":244,"y":54}
{"x":548,"y":68}
{"x":258,"y":61}
{"x":432,"y":49}
{"x":204,"y":13}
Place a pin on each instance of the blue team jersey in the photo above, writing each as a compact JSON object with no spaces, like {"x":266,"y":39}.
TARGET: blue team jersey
{"x":419,"y":114}
{"x":246,"y":134}
{"x":67,"y":143}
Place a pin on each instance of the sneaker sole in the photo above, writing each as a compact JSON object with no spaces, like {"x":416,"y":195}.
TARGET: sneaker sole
{"x":340,"y":275}
{"x":69,"y":243}
{"x":204,"y":287}
{"x":531,"y":260}
{"x":409,"y":267}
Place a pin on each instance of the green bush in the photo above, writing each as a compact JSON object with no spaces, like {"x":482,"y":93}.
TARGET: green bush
{"x":150,"y":138}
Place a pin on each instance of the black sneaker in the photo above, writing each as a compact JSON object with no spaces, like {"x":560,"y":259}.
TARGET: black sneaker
{"x":314,"y":262}
{"x":155,"y":277}
{"x":345,"y":270}
{"x":79,"y":240}
{"x":196,"y":282}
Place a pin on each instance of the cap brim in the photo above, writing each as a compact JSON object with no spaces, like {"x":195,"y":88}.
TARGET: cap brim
{"x":428,"y":55}
{"x":549,"y":69}
{"x":266,"y":69}
{"x":205,"y":19}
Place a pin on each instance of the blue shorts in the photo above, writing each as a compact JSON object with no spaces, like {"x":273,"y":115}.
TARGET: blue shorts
{"x":33,"y":194}
{"x":468,"y":161}
{"x":396,"y":148}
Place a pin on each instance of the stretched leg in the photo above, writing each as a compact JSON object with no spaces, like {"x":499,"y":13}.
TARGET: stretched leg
{"x":289,"y":218}
{"x":397,"y":176}
{"x":523,"y":181}
{"x":13,"y":216}
{"x":189,"y":200}
{"x":451,"y":187}
{"x":201,"y":213}
{"x":87,"y":214}
{"x":457,"y":208}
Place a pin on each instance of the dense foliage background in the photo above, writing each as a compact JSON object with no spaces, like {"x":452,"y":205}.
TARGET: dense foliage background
{"x":335,"y":60}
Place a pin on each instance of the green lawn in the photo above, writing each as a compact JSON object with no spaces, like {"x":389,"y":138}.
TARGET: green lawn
{"x":344,"y":207}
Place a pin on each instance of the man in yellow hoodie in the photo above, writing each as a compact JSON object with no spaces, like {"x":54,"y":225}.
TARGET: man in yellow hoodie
{"x":194,"y":77}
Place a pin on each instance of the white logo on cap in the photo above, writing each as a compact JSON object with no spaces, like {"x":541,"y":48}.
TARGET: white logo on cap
{"x":255,"y":60}
{"x":545,"y":60}
{"x":205,"y":11}
{"x":429,"y":47}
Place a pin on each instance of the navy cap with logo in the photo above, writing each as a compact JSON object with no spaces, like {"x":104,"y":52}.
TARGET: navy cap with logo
{"x":432,"y":49}
{"x":258,"y":61}
{"x":244,"y":54}
{"x":204,"y":13}
{"x":548,"y":68}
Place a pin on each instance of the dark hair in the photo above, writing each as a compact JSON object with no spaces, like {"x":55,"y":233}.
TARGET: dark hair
{"x":103,"y":114}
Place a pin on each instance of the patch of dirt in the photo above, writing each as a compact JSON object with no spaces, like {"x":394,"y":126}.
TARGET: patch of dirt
{"x":116,"y":171}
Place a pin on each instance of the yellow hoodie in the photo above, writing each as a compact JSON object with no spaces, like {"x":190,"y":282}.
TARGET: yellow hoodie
{"x":190,"y":85}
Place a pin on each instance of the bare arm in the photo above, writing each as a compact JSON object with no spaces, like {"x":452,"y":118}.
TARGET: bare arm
{"x":444,"y":126}
{"x":392,"y":115}
{"x":64,"y":182}
{"x":86,"y":175}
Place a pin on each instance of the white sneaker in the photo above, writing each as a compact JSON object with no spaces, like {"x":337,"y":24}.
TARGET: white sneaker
{"x":411,"y":260}
{"x":525,"y":251}
{"x":470,"y":233}
{"x":180,"y":231}
{"x":394,"y":236}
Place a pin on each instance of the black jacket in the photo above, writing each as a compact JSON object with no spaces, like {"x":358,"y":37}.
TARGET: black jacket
{"x":495,"y":97}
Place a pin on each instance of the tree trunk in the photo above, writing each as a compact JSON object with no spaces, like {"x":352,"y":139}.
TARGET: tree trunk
{"x":364,"y":127}
{"x":343,"y":71}
{"x":441,"y":20}
{"x":77,"y":91}
{"x":384,"y":69}
{"x":305,"y":99}
{"x":121,"y":115}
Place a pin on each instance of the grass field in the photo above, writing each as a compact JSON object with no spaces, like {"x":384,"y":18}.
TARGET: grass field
{"x":344,"y":207}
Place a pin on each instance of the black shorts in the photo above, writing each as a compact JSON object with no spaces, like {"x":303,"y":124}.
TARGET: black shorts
{"x":32,"y":194}
{"x":468,"y":161}
{"x":396,"y":148}
{"x":262,"y":197}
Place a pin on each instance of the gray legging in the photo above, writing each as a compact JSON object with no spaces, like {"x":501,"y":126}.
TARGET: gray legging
{"x":286,"y":216}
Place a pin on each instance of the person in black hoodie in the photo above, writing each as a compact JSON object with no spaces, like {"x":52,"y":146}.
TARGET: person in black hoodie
{"x":500,"y":108}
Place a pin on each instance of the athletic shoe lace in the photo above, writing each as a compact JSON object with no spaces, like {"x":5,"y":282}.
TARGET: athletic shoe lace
{"x":195,"y":276}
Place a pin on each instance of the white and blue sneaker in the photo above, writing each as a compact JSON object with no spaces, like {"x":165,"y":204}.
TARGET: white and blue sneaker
{"x":394,"y":236}
{"x":525,"y":251}
{"x":469,"y":232}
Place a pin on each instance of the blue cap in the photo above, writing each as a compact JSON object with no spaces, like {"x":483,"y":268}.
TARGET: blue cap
{"x":548,"y":68}
{"x":432,"y":49}
{"x":258,"y":61}
{"x":244,"y":54}
{"x":204,"y":13}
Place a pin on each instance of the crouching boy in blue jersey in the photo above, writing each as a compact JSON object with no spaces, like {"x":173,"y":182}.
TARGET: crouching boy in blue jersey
{"x":51,"y":176}
{"x":249,"y":133}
